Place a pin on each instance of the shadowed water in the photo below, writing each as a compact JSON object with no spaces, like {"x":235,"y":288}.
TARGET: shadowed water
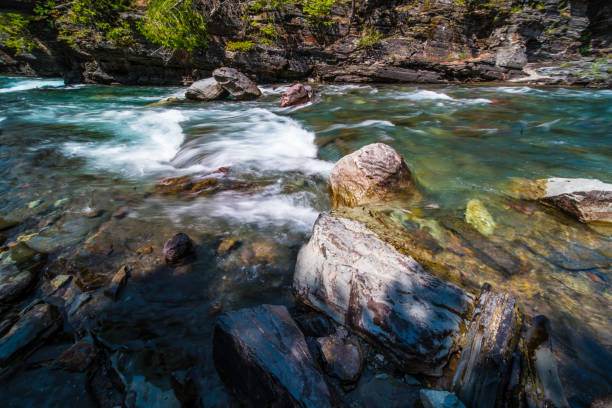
{"x":68,"y":151}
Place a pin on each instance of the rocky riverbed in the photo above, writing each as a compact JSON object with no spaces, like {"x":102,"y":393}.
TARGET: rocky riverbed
{"x":374,"y":246}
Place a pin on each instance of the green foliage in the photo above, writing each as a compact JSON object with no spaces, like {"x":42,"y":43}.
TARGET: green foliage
{"x":14,"y":32}
{"x":268,"y":30}
{"x":239,"y":45}
{"x":369,"y":38}
{"x":259,"y":6}
{"x":318,"y":11}
{"x":121,"y":36}
{"x":88,"y":12}
{"x":174,"y":24}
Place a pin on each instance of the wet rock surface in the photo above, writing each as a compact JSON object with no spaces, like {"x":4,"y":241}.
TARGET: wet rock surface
{"x":262,"y":356}
{"x":485,"y":365}
{"x":236,"y":83}
{"x":342,"y":357}
{"x":440,"y":399}
{"x":179,"y":249}
{"x":348,"y":273}
{"x":205,"y":90}
{"x":368,"y":175}
{"x":297,"y":94}
{"x":18,"y":271}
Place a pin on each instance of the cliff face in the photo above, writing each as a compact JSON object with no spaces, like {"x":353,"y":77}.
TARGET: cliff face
{"x":432,"y":41}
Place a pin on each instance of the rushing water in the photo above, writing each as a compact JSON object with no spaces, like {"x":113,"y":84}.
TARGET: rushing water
{"x":67,"y":151}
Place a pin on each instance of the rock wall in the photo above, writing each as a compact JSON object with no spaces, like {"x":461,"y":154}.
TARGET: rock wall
{"x":430,"y":41}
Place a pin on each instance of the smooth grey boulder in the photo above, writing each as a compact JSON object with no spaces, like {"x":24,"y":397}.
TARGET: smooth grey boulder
{"x":368,"y":175}
{"x":485,"y":366}
{"x":236,"y":83}
{"x":262,"y":356}
{"x":586,"y":199}
{"x":439,"y":399}
{"x":347,"y":272}
{"x":512,"y":56}
{"x":35,"y":325}
{"x":205,"y":90}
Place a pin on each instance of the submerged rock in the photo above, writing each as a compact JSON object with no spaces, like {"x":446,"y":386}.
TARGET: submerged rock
{"x":485,"y":365}
{"x":476,"y":214}
{"x":205,"y":90}
{"x":37,"y":324}
{"x":543,"y":387}
{"x":179,"y":249}
{"x":368,"y":175}
{"x":347,"y":272}
{"x":262,"y":356}
{"x":586,"y":199}
{"x":18,"y":271}
{"x":440,"y":399}
{"x":236,"y":83}
{"x":297,"y":94}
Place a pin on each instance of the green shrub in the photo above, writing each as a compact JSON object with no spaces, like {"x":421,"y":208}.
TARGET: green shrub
{"x":369,"y":38}
{"x":318,"y":11}
{"x":174,"y":25}
{"x":121,"y":36}
{"x":14,"y":32}
{"x":239,"y":45}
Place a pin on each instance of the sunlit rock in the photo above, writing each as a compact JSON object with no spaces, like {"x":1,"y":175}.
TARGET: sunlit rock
{"x":586,"y":199}
{"x":479,"y":217}
{"x":18,"y":271}
{"x":205,"y":90}
{"x":368,"y":175}
{"x":236,"y":83}
{"x":262,"y":356}
{"x":347,"y":272}
{"x":297,"y":94}
{"x":484,"y":368}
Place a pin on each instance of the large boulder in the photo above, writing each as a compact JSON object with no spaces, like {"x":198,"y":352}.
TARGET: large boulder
{"x":347,"y":272}
{"x":368,"y":175}
{"x":263,"y":357}
{"x":205,"y":90}
{"x":586,"y":199}
{"x":297,"y":94}
{"x":484,"y":369}
{"x":236,"y":83}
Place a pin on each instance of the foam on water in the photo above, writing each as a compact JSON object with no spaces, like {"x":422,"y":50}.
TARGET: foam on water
{"x":365,"y":123}
{"x":259,"y":140}
{"x":144,"y":142}
{"x":29,"y":84}
{"x":427,"y":95}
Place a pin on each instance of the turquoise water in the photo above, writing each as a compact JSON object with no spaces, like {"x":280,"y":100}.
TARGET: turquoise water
{"x":68,"y":151}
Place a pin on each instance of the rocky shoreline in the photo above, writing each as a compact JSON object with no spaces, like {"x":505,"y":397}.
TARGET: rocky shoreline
{"x":553,"y":42}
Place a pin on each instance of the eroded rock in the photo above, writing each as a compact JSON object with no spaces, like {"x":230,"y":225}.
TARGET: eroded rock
{"x":484,"y":368}
{"x":368,"y":175}
{"x":236,"y":83}
{"x":586,"y":199}
{"x":347,"y":272}
{"x":205,"y":90}
{"x":262,"y":356}
{"x":117,"y":283}
{"x":297,"y":94}
{"x":35,"y":325}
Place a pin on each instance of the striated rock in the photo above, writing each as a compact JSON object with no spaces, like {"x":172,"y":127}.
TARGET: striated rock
{"x":18,"y":271}
{"x":439,"y":399}
{"x":342,"y":357}
{"x":347,"y":272}
{"x":35,"y":325}
{"x":117,"y":283}
{"x":484,"y":368}
{"x":179,"y":249}
{"x":262,"y":356}
{"x":368,"y":175}
{"x":205,"y":90}
{"x":543,"y":387}
{"x":476,"y":214}
{"x":297,"y":94}
{"x":236,"y":83}
{"x":586,"y":199}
